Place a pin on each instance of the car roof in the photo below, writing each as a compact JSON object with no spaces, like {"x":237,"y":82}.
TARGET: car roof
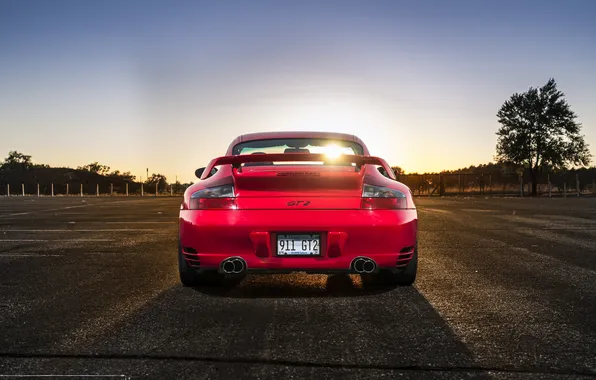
{"x":295,"y":134}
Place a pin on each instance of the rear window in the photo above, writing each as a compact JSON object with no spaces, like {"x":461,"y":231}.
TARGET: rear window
{"x":304,"y":145}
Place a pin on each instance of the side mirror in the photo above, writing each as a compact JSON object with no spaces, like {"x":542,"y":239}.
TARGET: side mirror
{"x":199,"y":172}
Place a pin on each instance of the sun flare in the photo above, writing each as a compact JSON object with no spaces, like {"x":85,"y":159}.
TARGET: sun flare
{"x":333,"y":151}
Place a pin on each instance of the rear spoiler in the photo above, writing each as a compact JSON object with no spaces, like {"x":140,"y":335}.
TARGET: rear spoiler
{"x":237,"y":161}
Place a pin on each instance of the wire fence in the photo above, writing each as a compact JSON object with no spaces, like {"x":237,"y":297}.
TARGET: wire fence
{"x":88,"y":189}
{"x":564,"y":184}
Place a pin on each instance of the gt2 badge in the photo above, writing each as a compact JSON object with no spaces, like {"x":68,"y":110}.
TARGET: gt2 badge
{"x":298,"y":174}
{"x":298,"y":203}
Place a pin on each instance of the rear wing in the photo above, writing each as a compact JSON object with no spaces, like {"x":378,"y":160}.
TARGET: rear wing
{"x":237,"y":161}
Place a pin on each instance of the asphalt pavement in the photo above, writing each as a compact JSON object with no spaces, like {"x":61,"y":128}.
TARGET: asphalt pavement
{"x":506,"y":289}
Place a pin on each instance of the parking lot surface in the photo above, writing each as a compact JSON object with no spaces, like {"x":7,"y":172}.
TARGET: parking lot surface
{"x":506,"y":289}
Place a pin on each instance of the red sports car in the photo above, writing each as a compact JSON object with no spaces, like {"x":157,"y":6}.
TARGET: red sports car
{"x":313,"y":202}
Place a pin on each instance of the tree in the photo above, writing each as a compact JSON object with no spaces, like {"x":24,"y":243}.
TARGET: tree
{"x":538,"y":130}
{"x":95,"y":167}
{"x":16,"y":161}
{"x":126,"y":176}
{"x":397,"y":170}
{"x":159,"y":179}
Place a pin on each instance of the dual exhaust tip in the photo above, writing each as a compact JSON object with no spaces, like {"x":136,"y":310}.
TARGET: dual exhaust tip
{"x":237,"y":265}
{"x":233,"y":265}
{"x":364,"y":265}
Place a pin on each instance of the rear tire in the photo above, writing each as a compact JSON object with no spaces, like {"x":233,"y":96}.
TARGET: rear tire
{"x":405,"y":277}
{"x":191,"y":278}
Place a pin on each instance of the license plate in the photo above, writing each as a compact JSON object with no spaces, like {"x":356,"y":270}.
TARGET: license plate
{"x":299,"y":245}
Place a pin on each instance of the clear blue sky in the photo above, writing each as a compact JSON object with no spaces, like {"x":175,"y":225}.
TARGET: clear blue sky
{"x":166,"y":85}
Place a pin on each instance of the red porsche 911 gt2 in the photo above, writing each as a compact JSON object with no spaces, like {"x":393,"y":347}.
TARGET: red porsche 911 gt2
{"x":313,"y":202}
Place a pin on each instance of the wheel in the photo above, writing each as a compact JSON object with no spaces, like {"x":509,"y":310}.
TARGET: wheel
{"x":191,"y":278}
{"x":406,"y":277}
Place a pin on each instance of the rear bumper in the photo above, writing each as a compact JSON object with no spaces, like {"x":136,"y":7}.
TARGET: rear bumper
{"x":208,"y":237}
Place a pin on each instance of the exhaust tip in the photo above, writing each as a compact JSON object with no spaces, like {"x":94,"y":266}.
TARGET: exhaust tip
{"x":238,"y":266}
{"x":368,"y":266}
{"x":362,"y":265}
{"x":358,"y":265}
{"x":233,"y":265}
{"x":228,"y":267}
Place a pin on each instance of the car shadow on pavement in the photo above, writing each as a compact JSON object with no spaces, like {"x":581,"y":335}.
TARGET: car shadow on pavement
{"x":302,"y":338}
{"x":296,"y":286}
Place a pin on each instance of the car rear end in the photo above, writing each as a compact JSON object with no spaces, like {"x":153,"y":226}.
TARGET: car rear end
{"x":338,"y":217}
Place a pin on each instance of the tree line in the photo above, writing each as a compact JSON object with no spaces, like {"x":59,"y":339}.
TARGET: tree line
{"x":539,"y":134}
{"x":20,"y":167}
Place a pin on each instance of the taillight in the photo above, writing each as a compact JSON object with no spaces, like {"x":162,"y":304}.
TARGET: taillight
{"x":377,"y":198}
{"x":219,"y":197}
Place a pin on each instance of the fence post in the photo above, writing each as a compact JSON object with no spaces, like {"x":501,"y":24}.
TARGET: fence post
{"x":521,"y":186}
{"x":111,"y":189}
{"x":81,"y":189}
{"x":549,"y":187}
{"x":490,"y":183}
{"x":171,"y":190}
{"x":127,"y":189}
{"x":23,"y":189}
{"x":67,"y":190}
{"x":97,"y":190}
{"x":38,"y":189}
{"x":577,"y":184}
{"x":459,"y":184}
{"x":156,"y":188}
{"x":565,"y":189}
{"x":593,"y":187}
{"x":141,"y":189}
{"x":8,"y":189}
{"x":52,"y":188}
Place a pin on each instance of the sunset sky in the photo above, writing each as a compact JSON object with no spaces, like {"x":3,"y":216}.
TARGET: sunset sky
{"x":166,"y":85}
